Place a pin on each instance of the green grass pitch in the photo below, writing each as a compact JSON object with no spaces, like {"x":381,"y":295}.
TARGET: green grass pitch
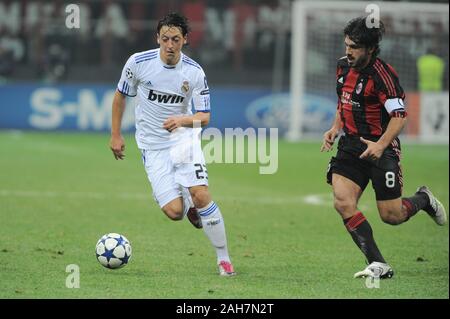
{"x":60,"y":192}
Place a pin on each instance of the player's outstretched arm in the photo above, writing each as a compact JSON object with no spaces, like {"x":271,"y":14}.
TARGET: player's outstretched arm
{"x":117,"y":143}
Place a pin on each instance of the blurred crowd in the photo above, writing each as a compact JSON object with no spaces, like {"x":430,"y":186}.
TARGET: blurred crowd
{"x":237,"y":41}
{"x":36,"y":44}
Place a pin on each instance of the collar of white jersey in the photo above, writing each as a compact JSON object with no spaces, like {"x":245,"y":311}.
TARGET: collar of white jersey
{"x":170,"y":67}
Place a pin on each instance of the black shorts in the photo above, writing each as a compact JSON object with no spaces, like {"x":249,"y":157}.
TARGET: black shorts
{"x":385,"y":173}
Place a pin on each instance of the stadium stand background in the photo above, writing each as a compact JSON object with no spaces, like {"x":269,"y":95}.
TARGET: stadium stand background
{"x":244,"y":47}
{"x":234,"y":40}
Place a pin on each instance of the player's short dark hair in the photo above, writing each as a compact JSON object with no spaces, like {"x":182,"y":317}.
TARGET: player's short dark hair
{"x":358,"y":31}
{"x":174,"y":19}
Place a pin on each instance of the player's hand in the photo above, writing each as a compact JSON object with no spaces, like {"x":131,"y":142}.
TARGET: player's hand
{"x":172,"y":123}
{"x":328,"y":140}
{"x":374,"y":150}
{"x":117,"y":145}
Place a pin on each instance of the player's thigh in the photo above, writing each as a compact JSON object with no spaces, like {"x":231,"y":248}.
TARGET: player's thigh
{"x":348,"y":176}
{"x":161,"y":174}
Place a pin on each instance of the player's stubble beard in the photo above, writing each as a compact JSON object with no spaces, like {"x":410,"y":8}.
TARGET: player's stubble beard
{"x":361,"y":62}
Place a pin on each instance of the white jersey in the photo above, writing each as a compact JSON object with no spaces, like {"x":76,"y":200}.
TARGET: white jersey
{"x":163,"y":91}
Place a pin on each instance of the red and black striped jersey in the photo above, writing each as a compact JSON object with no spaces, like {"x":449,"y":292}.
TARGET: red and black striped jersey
{"x":362,"y":95}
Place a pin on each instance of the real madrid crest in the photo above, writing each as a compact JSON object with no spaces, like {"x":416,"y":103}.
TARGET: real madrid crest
{"x":185,"y":87}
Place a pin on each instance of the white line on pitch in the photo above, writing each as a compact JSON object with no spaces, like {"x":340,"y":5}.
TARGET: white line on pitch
{"x":310,"y":199}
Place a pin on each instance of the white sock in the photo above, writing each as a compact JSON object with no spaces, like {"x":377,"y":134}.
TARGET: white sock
{"x":214,"y":228}
{"x":187,"y":200}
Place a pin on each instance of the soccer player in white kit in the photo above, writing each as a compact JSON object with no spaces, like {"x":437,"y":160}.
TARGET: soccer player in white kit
{"x":165,"y":81}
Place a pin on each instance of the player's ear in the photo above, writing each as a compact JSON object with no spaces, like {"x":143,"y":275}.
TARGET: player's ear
{"x":157,"y":38}
{"x":184,"y":39}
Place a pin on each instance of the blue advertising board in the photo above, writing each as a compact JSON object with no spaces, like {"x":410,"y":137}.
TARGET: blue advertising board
{"x":88,"y":108}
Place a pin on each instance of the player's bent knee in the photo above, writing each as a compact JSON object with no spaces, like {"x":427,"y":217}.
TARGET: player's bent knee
{"x":391,"y":218}
{"x":174,"y":216}
{"x":173,"y":213}
{"x":201,"y":198}
{"x":344,"y":207}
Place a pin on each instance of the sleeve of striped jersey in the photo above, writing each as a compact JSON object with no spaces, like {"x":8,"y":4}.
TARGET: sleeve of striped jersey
{"x":387,"y":83}
{"x":338,"y":75}
{"x":395,"y":107}
{"x":128,"y":83}
{"x":200,"y":94}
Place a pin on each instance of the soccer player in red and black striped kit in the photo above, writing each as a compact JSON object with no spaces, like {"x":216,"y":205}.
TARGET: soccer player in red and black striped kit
{"x":371,"y":114}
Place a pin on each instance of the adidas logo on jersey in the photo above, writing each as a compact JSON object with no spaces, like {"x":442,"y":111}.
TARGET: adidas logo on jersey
{"x":165,"y":98}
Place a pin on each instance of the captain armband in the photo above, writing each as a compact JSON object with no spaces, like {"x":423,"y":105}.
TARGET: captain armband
{"x":398,"y":113}
{"x":395,"y":107}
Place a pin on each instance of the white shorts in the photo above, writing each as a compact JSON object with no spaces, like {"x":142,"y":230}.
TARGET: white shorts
{"x":170,"y":168}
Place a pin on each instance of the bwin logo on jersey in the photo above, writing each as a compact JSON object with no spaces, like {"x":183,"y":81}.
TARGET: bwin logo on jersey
{"x":165,"y":98}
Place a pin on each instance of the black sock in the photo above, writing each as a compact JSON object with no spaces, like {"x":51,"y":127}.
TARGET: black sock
{"x":361,"y":232}
{"x":415,"y":203}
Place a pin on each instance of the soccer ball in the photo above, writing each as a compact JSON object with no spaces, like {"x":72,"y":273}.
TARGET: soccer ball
{"x":113,"y":251}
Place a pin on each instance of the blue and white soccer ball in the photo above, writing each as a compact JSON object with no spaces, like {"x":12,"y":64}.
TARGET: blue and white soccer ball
{"x":113,"y":251}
